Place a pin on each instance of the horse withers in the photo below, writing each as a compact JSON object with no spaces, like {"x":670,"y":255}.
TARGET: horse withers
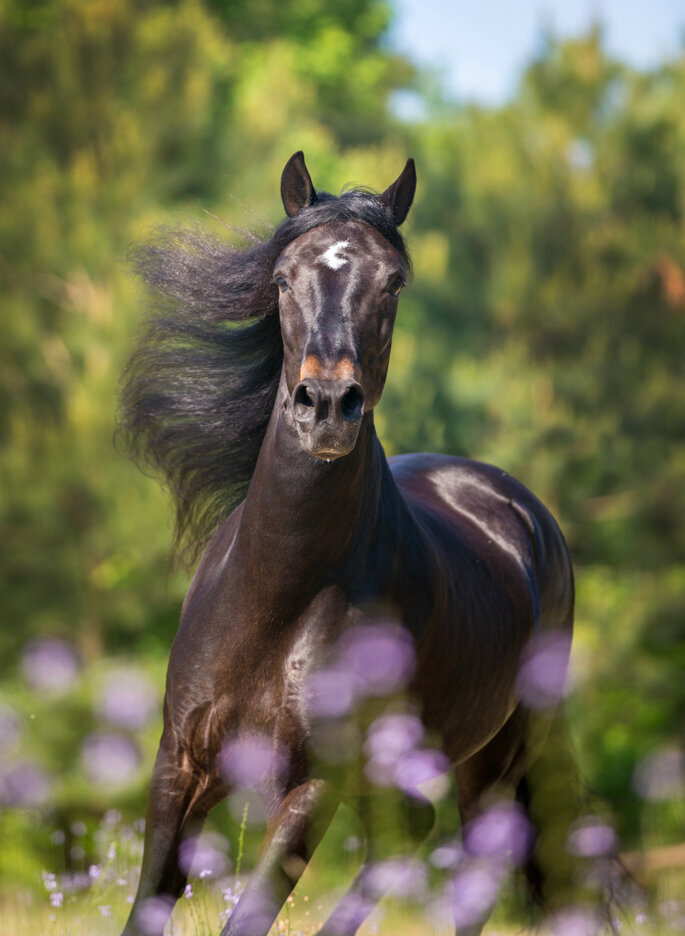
{"x":253,"y":392}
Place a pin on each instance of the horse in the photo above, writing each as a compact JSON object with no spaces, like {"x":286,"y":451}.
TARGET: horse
{"x":252,"y":391}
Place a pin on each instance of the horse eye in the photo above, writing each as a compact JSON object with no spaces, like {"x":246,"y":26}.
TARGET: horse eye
{"x":282,"y":284}
{"x":395,"y":286}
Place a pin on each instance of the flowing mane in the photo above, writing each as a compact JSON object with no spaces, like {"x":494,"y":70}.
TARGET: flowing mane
{"x":198,"y":391}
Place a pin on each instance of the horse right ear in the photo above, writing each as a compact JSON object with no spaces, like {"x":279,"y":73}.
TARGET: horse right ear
{"x":297,"y":190}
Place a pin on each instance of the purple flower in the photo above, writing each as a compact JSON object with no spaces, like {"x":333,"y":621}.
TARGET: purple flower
{"x":330,"y":692}
{"x":128,"y":698}
{"x":380,"y":657}
{"x":446,"y":856}
{"x":397,"y":877}
{"x":542,"y":678}
{"x":24,"y":785}
{"x":56,"y":899}
{"x":661,"y":775}
{"x":350,"y":913}
{"x":110,"y":760}
{"x":253,"y":761}
{"x":105,"y":910}
{"x":204,"y":855}
{"x":389,"y":738}
{"x":420,"y":768}
{"x":502,"y":833}
{"x":473,"y":891}
{"x":153,"y":913}
{"x":592,"y":838}
{"x":49,"y":665}
{"x":574,"y":921}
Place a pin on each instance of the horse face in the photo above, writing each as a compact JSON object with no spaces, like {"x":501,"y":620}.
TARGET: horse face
{"x":338,"y":284}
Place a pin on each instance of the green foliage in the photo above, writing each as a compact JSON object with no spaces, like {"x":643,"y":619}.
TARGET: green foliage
{"x":543,"y":331}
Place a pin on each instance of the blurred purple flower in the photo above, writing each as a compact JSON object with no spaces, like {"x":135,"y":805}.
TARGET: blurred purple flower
{"x":24,"y":785}
{"x":78,"y":881}
{"x":206,"y":852}
{"x":574,"y":921}
{"x":111,"y":818}
{"x":49,"y":665}
{"x":661,"y":775}
{"x":110,"y":759}
{"x":128,"y":698}
{"x":542,"y":678}
{"x":349,"y":914}
{"x":502,"y":833}
{"x":231,"y":894}
{"x":56,"y":899}
{"x":153,"y":913}
{"x":473,"y":891}
{"x":397,"y":877}
{"x":591,"y":838}
{"x":9,"y":726}
{"x":330,"y":692}
{"x":419,"y":768}
{"x":379,"y":656}
{"x":446,"y":856}
{"x":105,"y":910}
{"x":79,"y":829}
{"x":49,"y":880}
{"x":390,"y":736}
{"x":252,"y":760}
{"x":94,"y":872}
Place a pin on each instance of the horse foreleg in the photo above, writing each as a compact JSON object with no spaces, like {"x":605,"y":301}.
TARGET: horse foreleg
{"x":293,"y":834}
{"x":373,"y":880}
{"x":178,"y":802}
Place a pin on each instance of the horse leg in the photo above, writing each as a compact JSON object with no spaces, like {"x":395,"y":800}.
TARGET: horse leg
{"x":294,"y":832}
{"x":369,"y":886}
{"x":178,"y":802}
{"x":501,"y":763}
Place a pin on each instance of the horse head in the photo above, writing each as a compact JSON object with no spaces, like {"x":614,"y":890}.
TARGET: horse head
{"x":338,"y":285}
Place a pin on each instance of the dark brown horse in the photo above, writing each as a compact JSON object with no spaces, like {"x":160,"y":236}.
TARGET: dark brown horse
{"x":253,"y":391}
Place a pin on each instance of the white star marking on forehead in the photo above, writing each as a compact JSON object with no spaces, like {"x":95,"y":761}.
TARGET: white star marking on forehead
{"x":331,"y":256}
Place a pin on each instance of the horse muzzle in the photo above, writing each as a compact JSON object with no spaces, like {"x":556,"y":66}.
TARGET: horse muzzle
{"x":328,"y":414}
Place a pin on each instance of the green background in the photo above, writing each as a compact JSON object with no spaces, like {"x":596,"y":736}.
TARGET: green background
{"x":543,"y":332}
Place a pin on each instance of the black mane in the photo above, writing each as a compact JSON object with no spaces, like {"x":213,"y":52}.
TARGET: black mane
{"x":198,"y":391}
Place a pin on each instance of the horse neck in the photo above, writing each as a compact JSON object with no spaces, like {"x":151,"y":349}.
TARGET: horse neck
{"x":305,"y":515}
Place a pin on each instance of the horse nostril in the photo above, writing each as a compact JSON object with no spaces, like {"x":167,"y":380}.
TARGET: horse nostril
{"x":305,"y":401}
{"x":303,"y":397}
{"x":352,"y":403}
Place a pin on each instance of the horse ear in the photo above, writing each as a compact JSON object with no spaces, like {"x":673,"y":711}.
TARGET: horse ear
{"x":297,"y":190}
{"x":399,"y":196}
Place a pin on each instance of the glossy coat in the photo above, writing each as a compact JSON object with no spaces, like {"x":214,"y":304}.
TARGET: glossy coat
{"x":331,"y":534}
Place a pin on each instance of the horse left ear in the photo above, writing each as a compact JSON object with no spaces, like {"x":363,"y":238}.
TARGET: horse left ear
{"x":399,"y":196}
{"x":297,"y":190}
